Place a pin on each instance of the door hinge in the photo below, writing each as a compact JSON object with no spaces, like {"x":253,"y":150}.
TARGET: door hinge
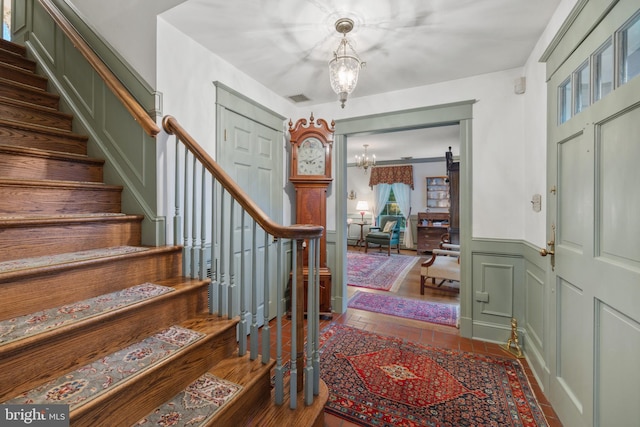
{"x":225,"y":135}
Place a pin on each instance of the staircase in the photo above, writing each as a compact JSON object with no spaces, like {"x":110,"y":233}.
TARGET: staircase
{"x":65,"y":243}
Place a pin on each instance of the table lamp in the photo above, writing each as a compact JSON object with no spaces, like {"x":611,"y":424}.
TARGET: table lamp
{"x":363,"y":207}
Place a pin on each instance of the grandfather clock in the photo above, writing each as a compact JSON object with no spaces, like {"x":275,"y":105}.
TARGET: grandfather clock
{"x":311,"y":144}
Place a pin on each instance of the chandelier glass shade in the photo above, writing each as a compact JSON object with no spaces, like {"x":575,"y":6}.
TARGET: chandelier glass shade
{"x":365,"y":161}
{"x":345,"y":65}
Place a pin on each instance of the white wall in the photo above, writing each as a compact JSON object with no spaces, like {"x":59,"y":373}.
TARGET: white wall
{"x":120,"y":21}
{"x":185,"y":80}
{"x":498,"y":175}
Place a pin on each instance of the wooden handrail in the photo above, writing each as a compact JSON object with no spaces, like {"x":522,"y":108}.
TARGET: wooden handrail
{"x":298,"y":231}
{"x":118,"y":89}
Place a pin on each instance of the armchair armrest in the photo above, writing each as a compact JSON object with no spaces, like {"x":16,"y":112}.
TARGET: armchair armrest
{"x":450,"y":246}
{"x":375,"y":227}
{"x":445,"y":252}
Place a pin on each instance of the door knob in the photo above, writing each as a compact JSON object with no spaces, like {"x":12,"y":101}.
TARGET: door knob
{"x":545,"y":252}
{"x":552,"y":245}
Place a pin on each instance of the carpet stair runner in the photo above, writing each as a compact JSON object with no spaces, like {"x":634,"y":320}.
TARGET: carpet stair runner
{"x":81,"y":297}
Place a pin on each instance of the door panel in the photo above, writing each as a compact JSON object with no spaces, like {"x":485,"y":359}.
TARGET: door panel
{"x":619,"y":202}
{"x":594,"y":170}
{"x":249,"y":155}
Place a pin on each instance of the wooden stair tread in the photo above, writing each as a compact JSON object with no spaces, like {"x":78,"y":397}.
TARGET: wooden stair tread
{"x":12,"y":47}
{"x":35,"y":220}
{"x":57,"y":184}
{"x":33,"y":127}
{"x":23,"y":76}
{"x":50,"y":154}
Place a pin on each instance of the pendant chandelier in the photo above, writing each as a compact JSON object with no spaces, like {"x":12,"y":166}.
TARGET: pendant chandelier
{"x":365,"y":161}
{"x":345,"y":65}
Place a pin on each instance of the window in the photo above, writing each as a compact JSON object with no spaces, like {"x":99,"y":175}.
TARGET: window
{"x":392,"y":208}
{"x":603,"y":71}
{"x":565,"y":101}
{"x":629,"y":37}
{"x":582,"y":93}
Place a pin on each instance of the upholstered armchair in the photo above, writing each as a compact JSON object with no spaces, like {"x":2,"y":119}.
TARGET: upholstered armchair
{"x":444,"y":266}
{"x":387,"y":233}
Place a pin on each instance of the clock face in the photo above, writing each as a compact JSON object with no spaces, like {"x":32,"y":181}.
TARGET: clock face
{"x":311,"y":157}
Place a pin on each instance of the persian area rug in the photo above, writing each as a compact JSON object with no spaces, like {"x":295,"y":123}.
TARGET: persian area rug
{"x":377,"y":380}
{"x":378,"y":271}
{"x":426,"y":311}
{"x":34,"y":323}
{"x":88,"y":382}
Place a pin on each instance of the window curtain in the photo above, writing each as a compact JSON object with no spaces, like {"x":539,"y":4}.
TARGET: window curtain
{"x":403,"y":199}
{"x":391,"y":175}
{"x":380,"y":196}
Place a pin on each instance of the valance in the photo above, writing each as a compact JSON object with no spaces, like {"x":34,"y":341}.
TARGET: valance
{"x":391,"y":175}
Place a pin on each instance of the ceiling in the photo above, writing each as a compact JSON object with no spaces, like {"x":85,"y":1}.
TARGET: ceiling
{"x":426,"y":143}
{"x":286,"y":44}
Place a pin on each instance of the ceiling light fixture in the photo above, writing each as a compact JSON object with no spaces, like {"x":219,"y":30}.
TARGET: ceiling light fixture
{"x":345,"y":65}
{"x":365,"y":161}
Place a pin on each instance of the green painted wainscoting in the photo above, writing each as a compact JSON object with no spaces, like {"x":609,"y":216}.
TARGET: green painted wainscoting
{"x":114,"y":135}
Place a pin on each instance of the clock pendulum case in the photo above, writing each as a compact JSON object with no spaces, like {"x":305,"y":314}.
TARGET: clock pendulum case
{"x":311,"y":144}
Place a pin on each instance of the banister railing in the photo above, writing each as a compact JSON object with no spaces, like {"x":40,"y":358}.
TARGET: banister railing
{"x":124,"y":96}
{"x":211,"y":219}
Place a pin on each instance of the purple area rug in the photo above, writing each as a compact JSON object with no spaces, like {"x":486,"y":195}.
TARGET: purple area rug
{"x":426,"y":311}
{"x":378,"y":271}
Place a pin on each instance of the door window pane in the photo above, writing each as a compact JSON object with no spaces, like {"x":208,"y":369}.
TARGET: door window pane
{"x":603,"y":70}
{"x":630,"y":50}
{"x":581,"y":79}
{"x":565,"y":101}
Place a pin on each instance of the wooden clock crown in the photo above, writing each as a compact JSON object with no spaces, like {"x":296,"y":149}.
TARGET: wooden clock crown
{"x":313,"y":132}
{"x":301,"y":130}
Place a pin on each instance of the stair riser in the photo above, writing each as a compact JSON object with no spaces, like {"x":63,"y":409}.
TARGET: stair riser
{"x":17,"y":61}
{"x":51,"y":356}
{"x":17,"y":166}
{"x":52,"y":119}
{"x":52,"y":200}
{"x":20,"y":76}
{"x":28,"y":293}
{"x":12,"y":47}
{"x":32,"y":139}
{"x":16,"y":243}
{"x":130,"y":403}
{"x":37,"y":97}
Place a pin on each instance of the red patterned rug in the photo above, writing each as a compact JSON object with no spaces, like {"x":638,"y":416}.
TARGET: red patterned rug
{"x":378,"y":271}
{"x":426,"y":311}
{"x":377,"y":380}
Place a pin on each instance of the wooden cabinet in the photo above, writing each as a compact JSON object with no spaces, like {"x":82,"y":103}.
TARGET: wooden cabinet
{"x":433,"y":223}
{"x":431,"y":226}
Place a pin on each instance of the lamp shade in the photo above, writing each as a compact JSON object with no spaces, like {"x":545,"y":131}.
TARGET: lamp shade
{"x":362,"y":205}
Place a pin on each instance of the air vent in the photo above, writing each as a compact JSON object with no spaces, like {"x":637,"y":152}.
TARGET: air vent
{"x":299,"y":98}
